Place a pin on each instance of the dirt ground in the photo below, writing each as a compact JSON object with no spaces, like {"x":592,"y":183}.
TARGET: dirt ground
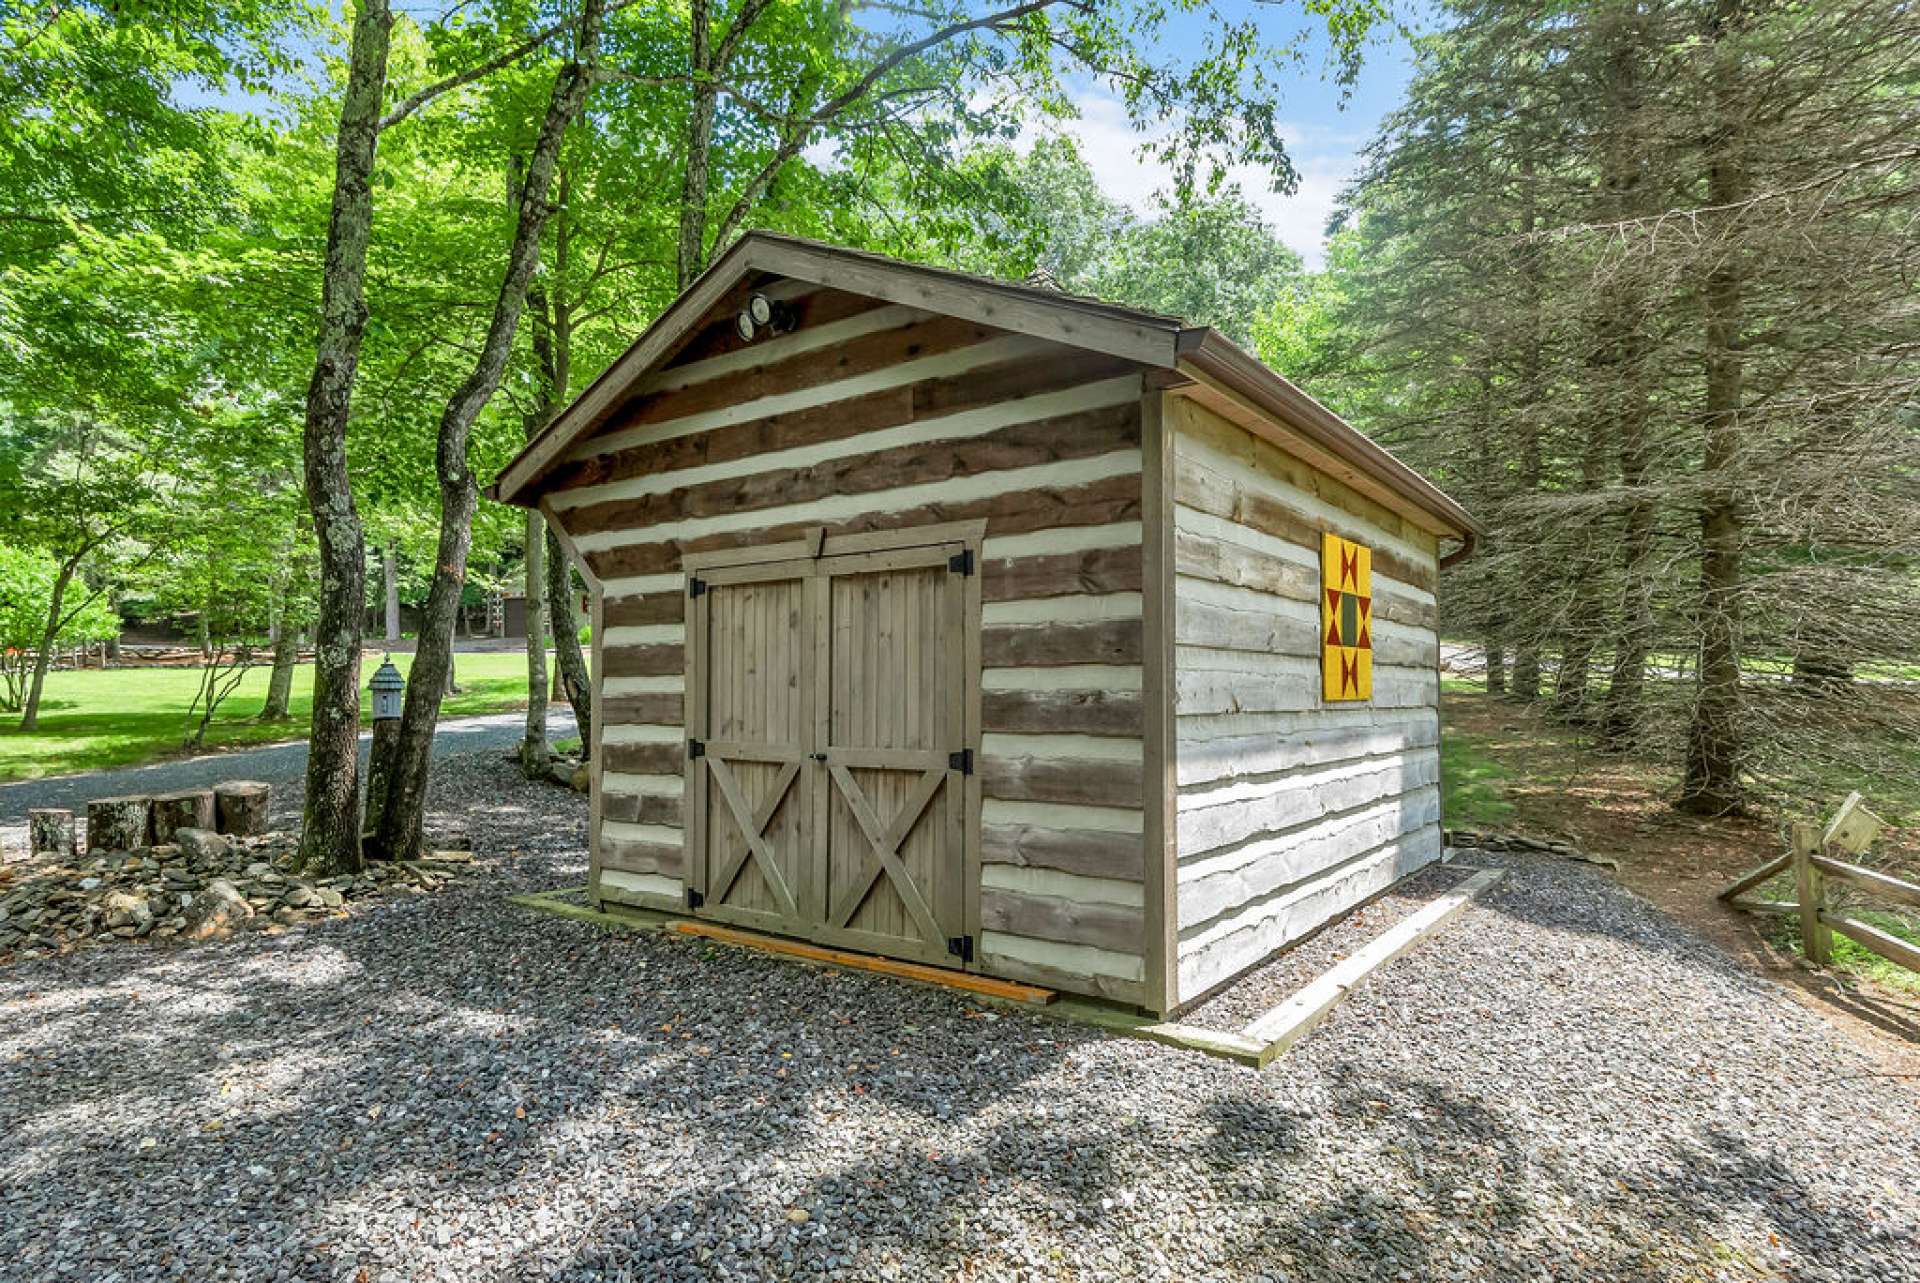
{"x":1619,"y":809}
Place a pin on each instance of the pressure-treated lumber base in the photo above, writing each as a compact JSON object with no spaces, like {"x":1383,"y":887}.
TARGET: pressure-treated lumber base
{"x":622,"y":917}
{"x":1005,"y":990}
{"x":1293,"y":1019}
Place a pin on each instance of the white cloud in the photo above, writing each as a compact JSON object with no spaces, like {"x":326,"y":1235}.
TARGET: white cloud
{"x":1323,"y":159}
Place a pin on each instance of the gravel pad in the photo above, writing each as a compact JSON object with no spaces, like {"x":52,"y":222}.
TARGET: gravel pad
{"x":1562,"y":1084}
{"x":1267,"y":986}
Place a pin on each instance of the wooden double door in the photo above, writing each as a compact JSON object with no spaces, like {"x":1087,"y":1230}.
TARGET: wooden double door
{"x":828,"y":748}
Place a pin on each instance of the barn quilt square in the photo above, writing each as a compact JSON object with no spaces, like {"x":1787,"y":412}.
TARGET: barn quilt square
{"x":1346,"y":619}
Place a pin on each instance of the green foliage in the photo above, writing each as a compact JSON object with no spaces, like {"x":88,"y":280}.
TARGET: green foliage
{"x":27,"y":578}
{"x":164,"y":193}
{"x":1683,"y":408}
{"x":1208,"y":259}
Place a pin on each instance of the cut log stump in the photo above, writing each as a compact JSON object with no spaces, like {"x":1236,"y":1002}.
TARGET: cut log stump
{"x":119,"y":823}
{"x":50,"y":832}
{"x":187,"y":809}
{"x":241,"y":807}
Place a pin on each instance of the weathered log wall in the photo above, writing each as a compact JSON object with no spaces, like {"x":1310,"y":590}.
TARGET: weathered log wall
{"x":1290,"y":809}
{"x":866,"y":417}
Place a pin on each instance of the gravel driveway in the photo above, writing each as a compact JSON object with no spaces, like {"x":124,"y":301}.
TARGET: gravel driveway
{"x":1562,"y":1084}
{"x":278,"y":764}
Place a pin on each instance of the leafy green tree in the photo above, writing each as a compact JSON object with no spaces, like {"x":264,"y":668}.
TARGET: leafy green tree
{"x":220,"y":568}
{"x":29,"y":585}
{"x":82,"y":495}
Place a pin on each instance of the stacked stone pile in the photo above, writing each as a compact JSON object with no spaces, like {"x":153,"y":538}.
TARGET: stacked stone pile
{"x":199,"y":885}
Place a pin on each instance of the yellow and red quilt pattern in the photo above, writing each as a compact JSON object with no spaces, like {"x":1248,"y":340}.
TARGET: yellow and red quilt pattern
{"x":1346,"y":619}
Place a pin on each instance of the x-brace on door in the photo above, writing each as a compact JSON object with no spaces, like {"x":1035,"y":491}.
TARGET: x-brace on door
{"x":826,"y":769}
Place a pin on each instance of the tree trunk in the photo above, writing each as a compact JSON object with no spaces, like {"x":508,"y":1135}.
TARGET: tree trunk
{"x":1822,"y":673}
{"x":390,"y":575}
{"x":1711,"y":784}
{"x":330,"y":831}
{"x":691,"y":257}
{"x":286,"y":655}
{"x":553,"y":352}
{"x":186,"y":809}
{"x":43,"y":658}
{"x":1570,"y":683}
{"x":1625,"y":345}
{"x":568,"y":657}
{"x":50,"y":832}
{"x":402,"y":826}
{"x":1524,"y":685}
{"x":1620,"y":719}
{"x":534,"y":753}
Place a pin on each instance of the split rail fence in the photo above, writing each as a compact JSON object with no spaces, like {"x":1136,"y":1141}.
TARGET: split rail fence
{"x":1812,"y":866}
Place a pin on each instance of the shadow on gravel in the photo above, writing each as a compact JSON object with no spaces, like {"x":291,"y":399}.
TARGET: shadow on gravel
{"x":1472,"y":1171}
{"x":400,"y":1051}
{"x":287,"y":1106}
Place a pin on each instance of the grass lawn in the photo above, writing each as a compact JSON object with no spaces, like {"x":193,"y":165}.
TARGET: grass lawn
{"x":93,"y":719}
{"x":1472,"y":784}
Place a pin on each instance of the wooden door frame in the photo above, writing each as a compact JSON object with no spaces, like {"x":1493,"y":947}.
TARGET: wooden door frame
{"x":816,"y":544}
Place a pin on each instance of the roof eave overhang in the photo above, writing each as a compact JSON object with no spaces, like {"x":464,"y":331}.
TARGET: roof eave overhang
{"x":1198,"y":361}
{"x":1214,"y":361}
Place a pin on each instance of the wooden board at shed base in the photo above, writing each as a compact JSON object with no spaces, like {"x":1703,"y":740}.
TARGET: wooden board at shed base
{"x":1010,"y":990}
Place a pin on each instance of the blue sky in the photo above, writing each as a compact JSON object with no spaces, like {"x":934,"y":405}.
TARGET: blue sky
{"x":1323,"y":134}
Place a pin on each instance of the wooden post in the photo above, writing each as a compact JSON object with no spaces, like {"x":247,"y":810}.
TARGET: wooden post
{"x":1816,"y":940}
{"x":380,"y":759}
{"x":119,"y":823}
{"x":240,"y":807}
{"x":50,"y":832}
{"x":187,"y":809}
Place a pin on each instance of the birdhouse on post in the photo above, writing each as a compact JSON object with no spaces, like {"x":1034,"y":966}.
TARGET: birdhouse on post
{"x":388,"y":687}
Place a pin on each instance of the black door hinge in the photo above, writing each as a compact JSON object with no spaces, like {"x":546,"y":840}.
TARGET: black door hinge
{"x":961,"y":761}
{"x":961,"y":947}
{"x":695,"y":899}
{"x":696,"y":586}
{"x":961,"y":563}
{"x":696,"y":748}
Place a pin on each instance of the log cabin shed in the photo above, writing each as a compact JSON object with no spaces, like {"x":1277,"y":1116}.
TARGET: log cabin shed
{"x":992,"y":627}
